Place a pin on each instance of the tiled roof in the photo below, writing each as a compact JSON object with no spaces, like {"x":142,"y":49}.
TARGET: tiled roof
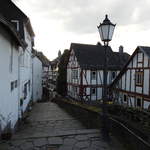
{"x":45,"y":61}
{"x":92,"y":56}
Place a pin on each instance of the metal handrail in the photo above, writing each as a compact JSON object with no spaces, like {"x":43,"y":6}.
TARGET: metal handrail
{"x":131,"y":132}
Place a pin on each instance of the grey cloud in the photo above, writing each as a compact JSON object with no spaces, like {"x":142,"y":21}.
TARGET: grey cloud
{"x":82,"y":16}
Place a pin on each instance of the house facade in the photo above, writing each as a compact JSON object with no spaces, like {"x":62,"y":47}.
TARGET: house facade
{"x":54,"y":71}
{"x":46,"y":70}
{"x":85,"y":70}
{"x":132,"y":85}
{"x":18,"y":63}
{"x":9,"y":64}
{"x":36,"y":77}
{"x":23,"y":27}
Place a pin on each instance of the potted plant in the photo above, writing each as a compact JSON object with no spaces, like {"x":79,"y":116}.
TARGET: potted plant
{"x":6,"y":133}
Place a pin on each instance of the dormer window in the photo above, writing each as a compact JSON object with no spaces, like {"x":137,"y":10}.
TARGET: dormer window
{"x":16,"y":24}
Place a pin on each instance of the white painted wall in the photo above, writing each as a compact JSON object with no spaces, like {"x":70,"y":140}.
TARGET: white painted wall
{"x":9,"y":73}
{"x":37,"y":79}
{"x":26,"y":72}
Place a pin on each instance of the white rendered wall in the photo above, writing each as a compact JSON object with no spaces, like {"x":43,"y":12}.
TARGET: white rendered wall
{"x":8,"y":98}
{"x":26,"y":71}
{"x":37,"y":79}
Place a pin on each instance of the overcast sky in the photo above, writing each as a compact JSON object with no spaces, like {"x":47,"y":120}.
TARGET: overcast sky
{"x":57,"y":23}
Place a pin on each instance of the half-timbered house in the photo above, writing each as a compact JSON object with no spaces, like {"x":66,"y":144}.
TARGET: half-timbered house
{"x":132,"y":85}
{"x":85,"y":70}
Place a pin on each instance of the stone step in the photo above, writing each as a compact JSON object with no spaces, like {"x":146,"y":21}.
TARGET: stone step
{"x":56,"y":133}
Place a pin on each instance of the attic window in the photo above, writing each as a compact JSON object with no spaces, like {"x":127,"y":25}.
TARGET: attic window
{"x":16,"y":24}
{"x":93,"y":75}
{"x":113,"y":75}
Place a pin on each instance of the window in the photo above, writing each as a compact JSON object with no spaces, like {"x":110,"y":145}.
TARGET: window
{"x":93,"y":75}
{"x":29,"y":83}
{"x":93,"y":91}
{"x":139,"y":78}
{"x":125,"y":98}
{"x":25,"y":90}
{"x":74,"y":88}
{"x":74,"y":74}
{"x":138,"y":102}
{"x":12,"y":86}
{"x":84,"y":90}
{"x":16,"y":24}
{"x":113,"y":75}
{"x":16,"y":83}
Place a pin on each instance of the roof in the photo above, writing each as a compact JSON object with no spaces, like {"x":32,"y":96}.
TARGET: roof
{"x":15,"y":13}
{"x":144,"y":49}
{"x":45,"y":61}
{"x":92,"y":56}
{"x":12,"y":31}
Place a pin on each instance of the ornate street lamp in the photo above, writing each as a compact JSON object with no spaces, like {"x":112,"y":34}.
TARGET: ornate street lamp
{"x":106,"y":30}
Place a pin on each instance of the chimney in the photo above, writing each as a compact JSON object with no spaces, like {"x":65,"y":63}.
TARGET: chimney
{"x":98,"y":43}
{"x":121,"y":49}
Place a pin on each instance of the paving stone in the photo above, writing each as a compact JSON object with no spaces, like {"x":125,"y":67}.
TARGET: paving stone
{"x":18,"y":142}
{"x":40,"y":142}
{"x":4,"y":147}
{"x":55,"y":140}
{"x":69,"y":141}
{"x":94,"y":135}
{"x":83,"y":144}
{"x":100,"y":144}
{"x":81,"y":137}
{"x":27,"y":146}
{"x":76,"y":148}
{"x":65,"y":147}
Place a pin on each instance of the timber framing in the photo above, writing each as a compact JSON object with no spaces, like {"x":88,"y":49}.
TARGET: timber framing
{"x":88,"y":61}
{"x":134,"y":79}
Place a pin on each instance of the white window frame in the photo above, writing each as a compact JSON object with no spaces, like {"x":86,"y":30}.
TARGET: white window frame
{"x":17,"y":24}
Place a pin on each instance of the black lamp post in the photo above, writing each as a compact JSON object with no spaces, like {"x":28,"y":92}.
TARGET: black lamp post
{"x":106,"y":30}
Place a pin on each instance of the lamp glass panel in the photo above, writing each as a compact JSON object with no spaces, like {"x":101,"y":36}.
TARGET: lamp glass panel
{"x":100,"y":32}
{"x":111,"y":31}
{"x":105,"y":30}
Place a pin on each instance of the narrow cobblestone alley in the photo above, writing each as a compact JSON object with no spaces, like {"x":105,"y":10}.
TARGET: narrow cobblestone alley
{"x":50,"y":128}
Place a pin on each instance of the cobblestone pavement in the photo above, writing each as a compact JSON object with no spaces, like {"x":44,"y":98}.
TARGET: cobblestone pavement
{"x":51,"y":128}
